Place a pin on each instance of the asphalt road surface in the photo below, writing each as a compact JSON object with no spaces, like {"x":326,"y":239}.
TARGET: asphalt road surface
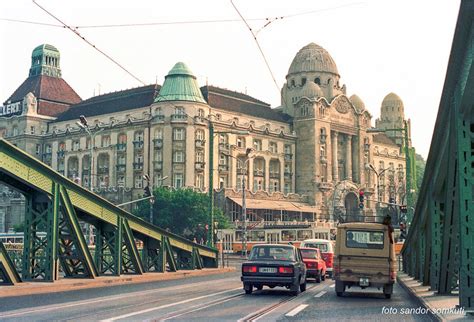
{"x":209,"y":298}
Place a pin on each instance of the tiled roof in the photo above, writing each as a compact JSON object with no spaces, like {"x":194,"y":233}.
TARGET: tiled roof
{"x":112,"y":102}
{"x":49,"y":91}
{"x":384,"y":139}
{"x":241,"y":103}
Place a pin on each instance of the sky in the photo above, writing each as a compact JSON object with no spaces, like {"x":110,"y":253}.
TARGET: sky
{"x":379,"y":46}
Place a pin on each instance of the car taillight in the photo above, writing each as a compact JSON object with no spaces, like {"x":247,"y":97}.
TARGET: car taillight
{"x":312,"y":265}
{"x":249,"y":269}
{"x":285,"y":270}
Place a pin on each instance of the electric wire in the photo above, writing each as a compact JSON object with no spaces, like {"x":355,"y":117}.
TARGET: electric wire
{"x":88,"y":42}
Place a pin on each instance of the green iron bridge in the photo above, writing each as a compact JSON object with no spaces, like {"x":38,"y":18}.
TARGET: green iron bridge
{"x":56,"y":205}
{"x":439,"y":249}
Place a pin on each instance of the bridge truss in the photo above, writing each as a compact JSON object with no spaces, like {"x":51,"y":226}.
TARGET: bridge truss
{"x":56,"y":205}
{"x":439,"y":249}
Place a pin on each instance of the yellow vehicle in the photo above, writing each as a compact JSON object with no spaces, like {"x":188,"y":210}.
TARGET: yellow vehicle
{"x":364,"y":257}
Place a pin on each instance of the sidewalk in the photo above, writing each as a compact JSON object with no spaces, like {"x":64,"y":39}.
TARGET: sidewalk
{"x":441,"y":307}
{"x":71,"y":284}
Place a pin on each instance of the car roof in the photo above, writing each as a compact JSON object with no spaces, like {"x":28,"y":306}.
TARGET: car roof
{"x":316,"y":241}
{"x":311,"y":248}
{"x":274,"y":245}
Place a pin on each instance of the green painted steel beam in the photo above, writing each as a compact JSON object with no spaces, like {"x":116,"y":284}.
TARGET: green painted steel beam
{"x":131,"y":249}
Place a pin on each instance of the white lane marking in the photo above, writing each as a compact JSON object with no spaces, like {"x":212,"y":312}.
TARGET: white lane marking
{"x":320,"y":294}
{"x":166,"y":306}
{"x":332,"y":285}
{"x":297,"y":310}
{"x":53,"y":307}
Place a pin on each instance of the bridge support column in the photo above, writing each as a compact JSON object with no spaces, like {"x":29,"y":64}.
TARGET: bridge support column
{"x":40,"y":255}
{"x":436,"y":228}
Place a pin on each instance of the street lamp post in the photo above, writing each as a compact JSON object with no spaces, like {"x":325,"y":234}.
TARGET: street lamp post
{"x":82,"y":123}
{"x":210,"y":239}
{"x":149,"y":194}
{"x":378,"y":174}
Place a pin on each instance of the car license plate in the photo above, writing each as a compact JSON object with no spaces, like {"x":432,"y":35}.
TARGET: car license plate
{"x":267,"y":269}
{"x":364,"y":281}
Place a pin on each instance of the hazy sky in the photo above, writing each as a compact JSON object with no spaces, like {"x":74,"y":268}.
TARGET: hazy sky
{"x":379,"y":46}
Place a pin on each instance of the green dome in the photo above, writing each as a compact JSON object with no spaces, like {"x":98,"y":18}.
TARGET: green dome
{"x":180,"y":85}
{"x":45,"y":60}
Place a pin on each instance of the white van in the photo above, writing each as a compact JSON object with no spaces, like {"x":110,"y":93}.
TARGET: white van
{"x":326,"y":249}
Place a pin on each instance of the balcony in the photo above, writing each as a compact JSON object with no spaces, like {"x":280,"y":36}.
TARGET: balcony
{"x":157,"y":165}
{"x":137,"y":166}
{"x":85,"y":172}
{"x":138,"y":145}
{"x":47,"y":156}
{"x":61,"y":154}
{"x":179,"y":118}
{"x":224,"y":147}
{"x":199,"y":165}
{"x":223,"y":167}
{"x":157,"y":143}
{"x":103,"y":170}
{"x":200,"y":143}
{"x":159,"y":118}
{"x":121,"y":147}
{"x":258,"y":173}
{"x":288,"y":156}
{"x":200,"y":120}
{"x":274,"y":174}
{"x":121,"y":168}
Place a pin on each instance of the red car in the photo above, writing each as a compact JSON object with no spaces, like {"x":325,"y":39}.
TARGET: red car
{"x":315,"y":265}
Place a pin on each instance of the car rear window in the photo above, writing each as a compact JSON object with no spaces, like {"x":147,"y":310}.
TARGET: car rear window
{"x":272,"y":253}
{"x":365,"y":239}
{"x":322,"y":247}
{"x":309,"y":253}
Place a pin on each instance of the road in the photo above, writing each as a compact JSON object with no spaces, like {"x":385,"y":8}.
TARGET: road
{"x":207,"y":298}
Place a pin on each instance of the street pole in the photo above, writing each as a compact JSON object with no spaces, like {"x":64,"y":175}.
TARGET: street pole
{"x":244,"y":215}
{"x":210,"y":242}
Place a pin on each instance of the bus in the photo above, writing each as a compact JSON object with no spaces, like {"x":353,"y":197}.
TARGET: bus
{"x":232,"y":239}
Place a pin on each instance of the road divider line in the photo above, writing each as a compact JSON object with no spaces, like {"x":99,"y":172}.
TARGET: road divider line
{"x":166,"y":305}
{"x":297,"y":310}
{"x":320,"y":294}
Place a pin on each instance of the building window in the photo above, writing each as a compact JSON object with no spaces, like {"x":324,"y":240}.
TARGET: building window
{"x":178,"y":156}
{"x":199,"y":135}
{"x":38,"y":149}
{"x":159,"y":134}
{"x":287,"y":188}
{"x":178,"y":180}
{"x":76,"y":145}
{"x":223,"y":138}
{"x":32,"y":130}
{"x":303,"y":81}
{"x":273,"y":147}
{"x":179,"y":110}
{"x":218,"y":117}
{"x":241,"y":142}
{"x":15,"y":131}
{"x":257,"y":145}
{"x":138,"y":136}
{"x":223,"y":159}
{"x":287,"y":149}
{"x":257,"y":184}
{"x":178,"y":134}
{"x":317,"y":80}
{"x":122,"y":139}
{"x":199,"y":181}
{"x":201,"y":112}
{"x":223,"y":182}
{"x":199,"y":156}
{"x":138,"y":182}
{"x":62,"y":146}
{"x":158,"y":155}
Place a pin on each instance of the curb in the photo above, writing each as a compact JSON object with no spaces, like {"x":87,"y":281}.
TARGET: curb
{"x":66,"y":284}
{"x":419,"y":300}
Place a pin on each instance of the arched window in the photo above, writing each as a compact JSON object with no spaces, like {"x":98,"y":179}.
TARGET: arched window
{"x":293,"y":83}
{"x":317,"y":80}
{"x":303,"y":81}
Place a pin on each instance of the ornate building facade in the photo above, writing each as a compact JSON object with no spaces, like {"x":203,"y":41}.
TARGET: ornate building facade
{"x":304,"y":161}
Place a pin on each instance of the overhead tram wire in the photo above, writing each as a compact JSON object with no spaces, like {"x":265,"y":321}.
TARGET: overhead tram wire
{"x":33,"y":22}
{"x":258,"y":45}
{"x":89,"y":43}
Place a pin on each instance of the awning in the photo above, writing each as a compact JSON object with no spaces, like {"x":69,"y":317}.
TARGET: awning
{"x":275,"y":205}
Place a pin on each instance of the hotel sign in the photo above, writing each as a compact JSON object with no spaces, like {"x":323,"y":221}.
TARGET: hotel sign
{"x":11,"y":109}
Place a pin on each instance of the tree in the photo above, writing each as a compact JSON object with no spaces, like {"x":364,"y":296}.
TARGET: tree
{"x":420,"y":165}
{"x":183,"y":211}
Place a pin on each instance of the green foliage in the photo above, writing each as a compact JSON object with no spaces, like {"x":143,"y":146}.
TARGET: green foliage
{"x":420,"y":165}
{"x":183,"y":211}
{"x":19,"y":228}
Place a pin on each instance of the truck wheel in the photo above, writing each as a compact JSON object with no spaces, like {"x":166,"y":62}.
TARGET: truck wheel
{"x":388,"y":290}
{"x":259,"y":287}
{"x":248,"y":288}
{"x":340,"y":288}
{"x":330,"y":274}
